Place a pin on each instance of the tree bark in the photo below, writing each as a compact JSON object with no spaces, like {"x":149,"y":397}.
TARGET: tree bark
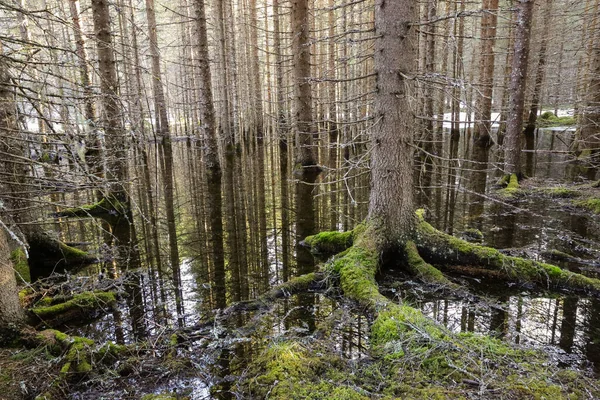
{"x":483,"y":105}
{"x":391,"y":204}
{"x":518,"y":81}
{"x":305,"y":154}
{"x":11,"y":313}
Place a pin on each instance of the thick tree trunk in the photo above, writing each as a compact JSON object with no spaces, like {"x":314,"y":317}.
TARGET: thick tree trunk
{"x":518,"y":80}
{"x":391,"y":204}
{"x":11,"y":313}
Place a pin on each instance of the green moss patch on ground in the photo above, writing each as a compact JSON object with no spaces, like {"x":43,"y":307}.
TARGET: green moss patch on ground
{"x":592,"y":204}
{"x":549,"y":119}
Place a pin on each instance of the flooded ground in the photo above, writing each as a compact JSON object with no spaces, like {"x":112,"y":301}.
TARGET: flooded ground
{"x":261,"y":233}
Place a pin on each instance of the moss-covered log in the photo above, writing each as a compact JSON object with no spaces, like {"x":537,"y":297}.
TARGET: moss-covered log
{"x":108,"y":209}
{"x":48,"y":255}
{"x":83,"y":307}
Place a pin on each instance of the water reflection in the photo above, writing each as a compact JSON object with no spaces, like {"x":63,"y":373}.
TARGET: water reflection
{"x":239,"y":230}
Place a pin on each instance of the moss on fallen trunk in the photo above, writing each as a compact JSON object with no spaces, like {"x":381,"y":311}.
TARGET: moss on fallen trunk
{"x":108,"y":209}
{"x":83,"y":306}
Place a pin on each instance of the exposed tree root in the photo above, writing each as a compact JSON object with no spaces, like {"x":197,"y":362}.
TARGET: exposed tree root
{"x":439,"y":248}
{"x":415,"y":357}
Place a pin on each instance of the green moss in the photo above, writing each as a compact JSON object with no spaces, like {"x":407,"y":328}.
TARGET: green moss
{"x":512,"y":186}
{"x":560,"y":192}
{"x":422,"y":270}
{"x":160,"y":397}
{"x":84,"y":302}
{"x":331,"y":242}
{"x":548,"y":119}
{"x":451,"y":250}
{"x":287,"y":370}
{"x":592,"y":204}
{"x":21,"y":266}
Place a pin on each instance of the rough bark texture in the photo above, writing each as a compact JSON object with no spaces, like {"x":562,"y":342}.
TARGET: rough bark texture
{"x":391,"y":203}
{"x":10,"y":309}
{"x":305,"y":155}
{"x":211,"y":155}
{"x":590,"y":118}
{"x":93,"y":155}
{"x":483,"y":107}
{"x":518,"y":80}
{"x":111,"y":122}
{"x":163,"y":130}
{"x":540,"y":72}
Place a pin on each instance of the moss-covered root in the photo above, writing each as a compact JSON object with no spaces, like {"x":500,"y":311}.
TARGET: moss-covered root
{"x":300,"y":284}
{"x":332,"y":242}
{"x":440,"y":248}
{"x":82,"y":306}
{"x":288,"y":370}
{"x":512,"y":185}
{"x":108,"y":209}
{"x":422,"y":270}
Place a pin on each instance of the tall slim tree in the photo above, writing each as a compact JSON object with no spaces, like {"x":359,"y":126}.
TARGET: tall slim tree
{"x":518,"y":81}
{"x":162,"y":128}
{"x":483,"y":102}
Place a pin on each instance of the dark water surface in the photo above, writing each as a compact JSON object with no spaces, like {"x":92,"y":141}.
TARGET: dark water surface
{"x":261,"y":231}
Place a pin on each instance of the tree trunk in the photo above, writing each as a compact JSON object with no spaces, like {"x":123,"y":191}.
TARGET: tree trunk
{"x":540,"y":73}
{"x":391,"y":204}
{"x":590,"y":118}
{"x":116,"y":172}
{"x":11,"y":313}
{"x":211,"y":155}
{"x":162,"y":128}
{"x":483,"y":104}
{"x":305,"y":154}
{"x":518,"y":80}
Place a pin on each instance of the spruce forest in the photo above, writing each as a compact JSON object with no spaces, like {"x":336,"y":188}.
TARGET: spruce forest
{"x":294,"y":199}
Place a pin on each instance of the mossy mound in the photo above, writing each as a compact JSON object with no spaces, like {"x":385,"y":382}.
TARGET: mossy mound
{"x":289,"y":370}
{"x":332,"y":242}
{"x":549,"y":119}
{"x":512,"y":188}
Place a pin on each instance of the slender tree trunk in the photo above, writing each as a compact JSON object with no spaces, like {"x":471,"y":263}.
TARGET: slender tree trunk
{"x":540,"y":73}
{"x":166,"y":152}
{"x":518,"y":81}
{"x":590,"y":117}
{"x":211,"y":155}
{"x":483,"y":102}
